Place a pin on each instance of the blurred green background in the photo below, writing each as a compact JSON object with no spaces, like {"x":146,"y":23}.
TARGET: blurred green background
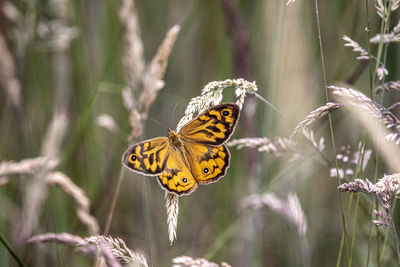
{"x":87,"y":77}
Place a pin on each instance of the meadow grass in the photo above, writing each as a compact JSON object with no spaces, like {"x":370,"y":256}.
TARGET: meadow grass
{"x":314,"y":172}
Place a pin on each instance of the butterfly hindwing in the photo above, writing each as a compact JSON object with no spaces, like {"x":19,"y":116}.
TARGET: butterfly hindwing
{"x":176,"y":177}
{"x":148,"y":157}
{"x":210,"y":163}
{"x":214,"y":126}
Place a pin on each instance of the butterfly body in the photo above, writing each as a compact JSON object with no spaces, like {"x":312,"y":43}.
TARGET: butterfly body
{"x":194,"y":155}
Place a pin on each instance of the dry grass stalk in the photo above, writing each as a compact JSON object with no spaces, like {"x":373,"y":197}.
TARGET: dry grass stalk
{"x":186,"y":261}
{"x":394,"y":85}
{"x":8,"y":76}
{"x":356,"y":48}
{"x":81,"y":201}
{"x":373,"y":109}
{"x":107,"y":122}
{"x":172,"y":206}
{"x":264,"y":144}
{"x":55,"y":134}
{"x":152,"y":83}
{"x":382,"y":7}
{"x":392,"y":37}
{"x":119,"y":249}
{"x":29,"y":166}
{"x":40,"y":166}
{"x":289,"y":209}
{"x":309,"y":135}
{"x":114,"y":250}
{"x":384,"y":190}
{"x":211,"y":95}
{"x":315,"y":115}
{"x":153,"y":75}
{"x":133,"y":59}
{"x":381,"y":71}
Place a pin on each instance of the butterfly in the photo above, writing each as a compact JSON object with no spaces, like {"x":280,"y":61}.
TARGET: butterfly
{"x":193,"y":155}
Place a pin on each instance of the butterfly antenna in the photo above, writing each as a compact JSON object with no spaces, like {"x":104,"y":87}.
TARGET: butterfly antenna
{"x":173,"y":114}
{"x":159,"y":123}
{"x":269,"y":104}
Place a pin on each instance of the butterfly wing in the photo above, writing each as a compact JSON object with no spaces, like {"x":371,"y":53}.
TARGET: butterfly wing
{"x":212,"y":127}
{"x":176,"y":177}
{"x":209,"y":163}
{"x":148,"y":157}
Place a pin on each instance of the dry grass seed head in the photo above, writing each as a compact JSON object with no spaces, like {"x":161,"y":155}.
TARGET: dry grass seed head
{"x":133,"y":58}
{"x":114,"y":250}
{"x":28,"y":166}
{"x":153,"y":75}
{"x":289,"y":209}
{"x":81,"y":200}
{"x":382,"y":7}
{"x":314,"y":115}
{"x":8,"y":75}
{"x":278,"y":146}
{"x":211,"y":95}
{"x":186,"y":261}
{"x":172,"y":206}
{"x":394,"y":85}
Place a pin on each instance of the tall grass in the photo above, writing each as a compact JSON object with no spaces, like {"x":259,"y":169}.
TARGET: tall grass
{"x":313,"y":179}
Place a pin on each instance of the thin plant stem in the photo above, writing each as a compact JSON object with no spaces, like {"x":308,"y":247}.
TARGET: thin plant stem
{"x":371,"y":89}
{"x":387,"y":231}
{"x":393,"y":228}
{"x":148,"y":222}
{"x":354,"y":229}
{"x":360,"y":163}
{"x":344,"y":234}
{"x":114,"y":202}
{"x":10,"y":250}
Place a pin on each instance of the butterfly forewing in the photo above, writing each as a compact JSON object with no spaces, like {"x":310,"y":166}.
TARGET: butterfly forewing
{"x":214,"y":126}
{"x":148,"y":157}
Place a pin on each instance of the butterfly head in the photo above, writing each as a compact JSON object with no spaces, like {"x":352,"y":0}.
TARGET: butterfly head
{"x":175,"y":138}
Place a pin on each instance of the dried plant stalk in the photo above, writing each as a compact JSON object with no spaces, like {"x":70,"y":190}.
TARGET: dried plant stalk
{"x":263,"y":144}
{"x":133,"y":50}
{"x":391,"y":37}
{"x":186,"y":261}
{"x":154,"y":73}
{"x":211,"y":95}
{"x":28,"y":166}
{"x":114,"y":250}
{"x":81,"y":201}
{"x":63,"y":238}
{"x":289,"y":209}
{"x":356,"y":48}
{"x":373,"y":109}
{"x":8,"y":76}
{"x":382,"y":7}
{"x":384,"y":190}
{"x":394,"y":85}
{"x":172,"y":206}
{"x":119,"y":249}
{"x":314,"y":115}
{"x":54,"y":134}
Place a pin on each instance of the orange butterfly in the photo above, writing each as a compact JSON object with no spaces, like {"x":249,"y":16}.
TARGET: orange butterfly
{"x":194,"y":155}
